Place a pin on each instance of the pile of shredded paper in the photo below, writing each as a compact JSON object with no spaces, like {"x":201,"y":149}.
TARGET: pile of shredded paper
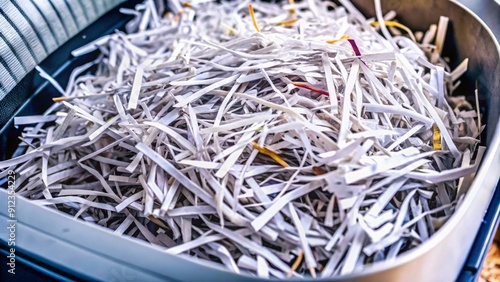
{"x":284,"y":140}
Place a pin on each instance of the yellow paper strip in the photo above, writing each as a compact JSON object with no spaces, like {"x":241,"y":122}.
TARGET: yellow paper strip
{"x":398,"y":25}
{"x":295,"y":264}
{"x":344,"y":37}
{"x":288,"y":22}
{"x":270,"y":153}
{"x":292,"y":3}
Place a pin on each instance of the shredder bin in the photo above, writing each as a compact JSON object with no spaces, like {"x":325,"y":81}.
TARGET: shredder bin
{"x":95,"y":253}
